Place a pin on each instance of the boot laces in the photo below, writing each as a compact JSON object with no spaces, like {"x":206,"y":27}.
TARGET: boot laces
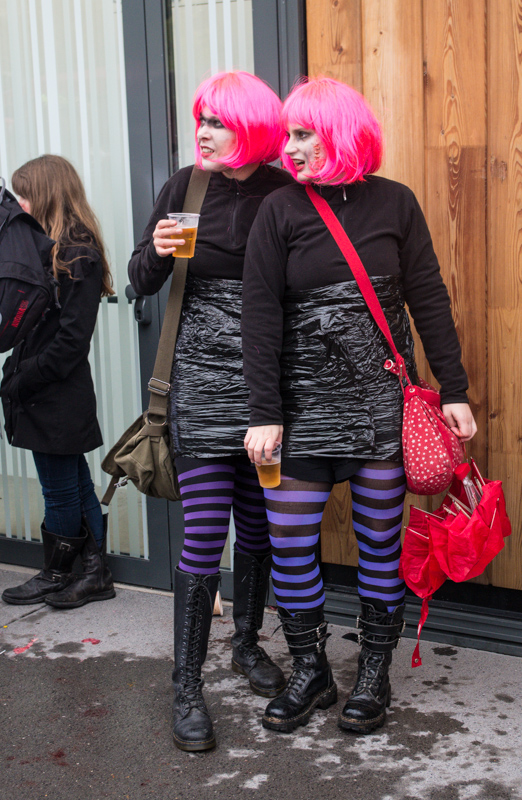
{"x":255,"y":577}
{"x":300,"y":675}
{"x":249,"y":641}
{"x":191,"y":680}
{"x":370,"y":673}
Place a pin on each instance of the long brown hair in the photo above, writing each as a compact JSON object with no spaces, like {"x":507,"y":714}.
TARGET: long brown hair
{"x":57,"y":197}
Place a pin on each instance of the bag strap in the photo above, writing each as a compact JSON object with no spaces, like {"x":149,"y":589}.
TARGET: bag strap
{"x":361,"y":276}
{"x":159,"y":384}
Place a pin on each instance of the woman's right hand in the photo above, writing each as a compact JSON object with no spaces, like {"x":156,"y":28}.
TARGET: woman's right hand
{"x":163,"y":243}
{"x":262,"y":437}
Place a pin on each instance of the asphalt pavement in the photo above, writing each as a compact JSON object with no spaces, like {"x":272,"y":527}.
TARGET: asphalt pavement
{"x":85,"y":700}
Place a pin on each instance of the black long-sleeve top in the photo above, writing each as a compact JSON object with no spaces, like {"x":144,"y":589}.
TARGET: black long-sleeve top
{"x":291,"y":249}
{"x":227,"y":214}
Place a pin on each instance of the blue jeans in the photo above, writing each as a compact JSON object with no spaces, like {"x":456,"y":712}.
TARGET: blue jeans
{"x":69,"y":494}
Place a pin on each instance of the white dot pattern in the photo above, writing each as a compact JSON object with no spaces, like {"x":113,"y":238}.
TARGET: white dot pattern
{"x":431,"y":451}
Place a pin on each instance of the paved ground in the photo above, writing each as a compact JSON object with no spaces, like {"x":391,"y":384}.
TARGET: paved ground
{"x":86,"y":716}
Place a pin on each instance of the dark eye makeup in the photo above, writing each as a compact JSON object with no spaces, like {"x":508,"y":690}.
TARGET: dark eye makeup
{"x":300,"y":133}
{"x":212,"y":122}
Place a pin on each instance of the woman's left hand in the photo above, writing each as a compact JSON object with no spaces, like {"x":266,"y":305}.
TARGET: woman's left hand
{"x":461,"y":420}
{"x":262,"y":437}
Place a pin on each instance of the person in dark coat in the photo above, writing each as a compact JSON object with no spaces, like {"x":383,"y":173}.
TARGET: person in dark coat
{"x":237,"y":133}
{"x":48,"y":394}
{"x":314,"y":361}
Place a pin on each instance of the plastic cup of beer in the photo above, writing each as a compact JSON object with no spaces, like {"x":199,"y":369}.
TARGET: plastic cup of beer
{"x":269,"y":472}
{"x":189,"y":225}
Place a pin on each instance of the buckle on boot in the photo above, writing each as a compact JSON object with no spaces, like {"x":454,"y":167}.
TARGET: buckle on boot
{"x":65,"y":546}
{"x":322,"y":635}
{"x":321,"y":629}
{"x":355,"y":636}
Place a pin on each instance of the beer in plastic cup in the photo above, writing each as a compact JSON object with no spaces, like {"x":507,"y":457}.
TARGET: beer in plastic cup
{"x":269,"y":472}
{"x":189,"y":224}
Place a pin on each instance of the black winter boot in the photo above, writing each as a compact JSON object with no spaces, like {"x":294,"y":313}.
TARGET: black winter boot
{"x":365,"y":709}
{"x":248,"y":658}
{"x":59,"y":555}
{"x":194,"y":597}
{"x":311,"y":683}
{"x":95,"y":583}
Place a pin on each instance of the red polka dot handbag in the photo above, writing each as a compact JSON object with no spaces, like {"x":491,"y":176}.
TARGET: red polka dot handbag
{"x":431,"y":451}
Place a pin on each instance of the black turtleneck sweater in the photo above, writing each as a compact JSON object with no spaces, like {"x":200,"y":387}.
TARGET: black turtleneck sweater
{"x":290,"y":249}
{"x":227,"y":214}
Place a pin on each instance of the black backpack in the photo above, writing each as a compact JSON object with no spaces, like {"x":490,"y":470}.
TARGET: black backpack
{"x":27,"y":287}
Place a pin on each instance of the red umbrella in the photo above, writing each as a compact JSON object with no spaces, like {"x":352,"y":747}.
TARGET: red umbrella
{"x":455,"y":542}
{"x":465,"y":544}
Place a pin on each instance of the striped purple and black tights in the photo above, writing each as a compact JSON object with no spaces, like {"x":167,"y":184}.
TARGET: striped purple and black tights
{"x":210,"y":489}
{"x":295,"y":510}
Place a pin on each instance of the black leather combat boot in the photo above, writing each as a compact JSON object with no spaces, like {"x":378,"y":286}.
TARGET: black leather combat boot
{"x":59,"y":555}
{"x":251,"y":576}
{"x":194,"y":597}
{"x":380,"y":634}
{"x":311,"y":683}
{"x":95,"y":582}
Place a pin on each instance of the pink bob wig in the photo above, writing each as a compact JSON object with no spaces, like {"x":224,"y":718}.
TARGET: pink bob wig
{"x":247,"y":106}
{"x":346,"y":125}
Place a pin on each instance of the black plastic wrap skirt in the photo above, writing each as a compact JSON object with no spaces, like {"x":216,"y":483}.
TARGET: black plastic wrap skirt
{"x":338,"y":400}
{"x":208,"y":414}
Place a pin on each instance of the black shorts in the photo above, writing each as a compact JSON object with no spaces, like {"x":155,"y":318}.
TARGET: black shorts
{"x":321,"y":469}
{"x":325,"y":469}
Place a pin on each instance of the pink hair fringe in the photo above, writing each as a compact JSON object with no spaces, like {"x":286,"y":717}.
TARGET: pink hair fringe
{"x":248,"y":106}
{"x":345,"y":124}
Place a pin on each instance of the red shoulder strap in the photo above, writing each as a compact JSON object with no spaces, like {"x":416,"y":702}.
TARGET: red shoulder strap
{"x":357,"y":268}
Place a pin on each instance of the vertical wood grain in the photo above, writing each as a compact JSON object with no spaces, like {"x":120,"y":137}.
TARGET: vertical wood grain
{"x":393,"y":84}
{"x":455,"y":46}
{"x":505,"y":271}
{"x":334,"y":40}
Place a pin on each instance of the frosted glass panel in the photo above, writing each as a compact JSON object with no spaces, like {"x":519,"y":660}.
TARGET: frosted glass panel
{"x":62,"y":90}
{"x":209,"y":36}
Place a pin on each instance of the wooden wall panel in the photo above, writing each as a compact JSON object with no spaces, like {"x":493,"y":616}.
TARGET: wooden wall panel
{"x":445,"y":78}
{"x":393,"y":84}
{"x":455,"y":204}
{"x":505,"y":271}
{"x":334,"y":40}
{"x":455,"y":47}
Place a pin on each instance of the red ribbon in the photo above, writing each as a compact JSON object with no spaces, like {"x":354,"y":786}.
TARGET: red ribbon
{"x":416,"y":660}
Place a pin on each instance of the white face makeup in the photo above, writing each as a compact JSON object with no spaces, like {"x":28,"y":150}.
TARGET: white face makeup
{"x":26,"y":205}
{"x":214,"y":140}
{"x":306,"y":151}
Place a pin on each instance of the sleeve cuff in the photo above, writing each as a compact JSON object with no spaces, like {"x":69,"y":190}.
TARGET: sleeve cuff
{"x":155,"y":261}
{"x":453,"y":397}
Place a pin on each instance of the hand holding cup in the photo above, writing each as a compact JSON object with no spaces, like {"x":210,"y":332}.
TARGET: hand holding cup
{"x":164,"y":239}
{"x":269,"y":470}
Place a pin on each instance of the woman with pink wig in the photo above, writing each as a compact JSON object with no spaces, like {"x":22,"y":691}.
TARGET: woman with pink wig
{"x":238,"y":131}
{"x":313,"y":360}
